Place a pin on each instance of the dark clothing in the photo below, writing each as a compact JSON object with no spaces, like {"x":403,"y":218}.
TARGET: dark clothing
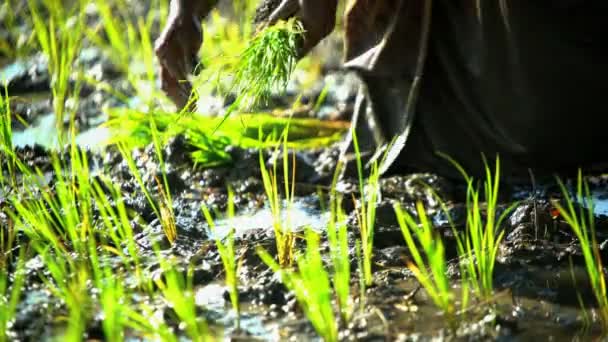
{"x":524,"y":79}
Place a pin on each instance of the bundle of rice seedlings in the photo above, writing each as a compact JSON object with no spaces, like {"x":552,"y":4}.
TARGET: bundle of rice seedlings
{"x":266,"y":64}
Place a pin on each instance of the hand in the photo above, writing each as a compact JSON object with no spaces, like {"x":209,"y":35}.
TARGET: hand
{"x":177,"y":49}
{"x":318,"y":17}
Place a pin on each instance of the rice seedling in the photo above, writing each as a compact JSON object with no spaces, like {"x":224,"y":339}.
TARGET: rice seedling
{"x":177,"y":290}
{"x":164,"y":209}
{"x":62,"y":226}
{"x":58,"y":224}
{"x":311,"y":286}
{"x":282,"y":225}
{"x":134,"y":129}
{"x":366,"y":210}
{"x":478,"y":246}
{"x":337,"y":234}
{"x":7,"y":156}
{"x":227,"y":254}
{"x":60,"y":36}
{"x":10,"y":294}
{"x":128,"y":44}
{"x":362,"y":286}
{"x":429,"y":266}
{"x":262,"y":67}
{"x":583,"y":225}
{"x":267,"y":63}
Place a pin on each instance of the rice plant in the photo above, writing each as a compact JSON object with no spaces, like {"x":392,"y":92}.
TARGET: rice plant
{"x":263,"y":67}
{"x":281,"y":221}
{"x":581,"y":220}
{"x":128,"y":44}
{"x":478,"y":246}
{"x":311,"y":286}
{"x":63,"y":229}
{"x":134,"y":129}
{"x":267,"y":63}
{"x":337,"y":234}
{"x":7,"y":157}
{"x":60,"y":37}
{"x":228,"y":256}
{"x":10,"y":294}
{"x":430,"y":265}
{"x":177,"y":290}
{"x":164,"y":208}
{"x":366,"y":210}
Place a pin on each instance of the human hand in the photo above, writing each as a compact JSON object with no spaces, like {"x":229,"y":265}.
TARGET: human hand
{"x":318,"y":18}
{"x":178,"y":45}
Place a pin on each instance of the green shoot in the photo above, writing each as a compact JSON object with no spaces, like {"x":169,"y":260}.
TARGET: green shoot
{"x":311,"y":286}
{"x":164,"y":210}
{"x":6,"y":138}
{"x":134,"y":129}
{"x":282,"y":226}
{"x":337,"y":233}
{"x":167,"y":215}
{"x":478,"y":246}
{"x":59,"y":36}
{"x":266,"y":65}
{"x":227,"y":254}
{"x":178,"y":292}
{"x":582,"y":223}
{"x":129,"y":45}
{"x":430,"y":270}
{"x":366,"y":211}
{"x":10,"y":299}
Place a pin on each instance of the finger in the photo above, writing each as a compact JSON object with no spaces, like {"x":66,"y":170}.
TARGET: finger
{"x":178,"y":93}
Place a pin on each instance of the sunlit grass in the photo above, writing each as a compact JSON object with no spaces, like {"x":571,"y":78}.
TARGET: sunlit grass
{"x":478,"y":245}
{"x":279,"y":206}
{"x":10,"y":292}
{"x":429,"y":265}
{"x":7,"y":156}
{"x":228,"y":256}
{"x":366,"y":210}
{"x":582,"y":222}
{"x":177,"y":289}
{"x":311,"y":286}
{"x":60,"y":36}
{"x":267,"y":63}
{"x":337,"y":235}
{"x":163,"y":204}
{"x":128,"y":43}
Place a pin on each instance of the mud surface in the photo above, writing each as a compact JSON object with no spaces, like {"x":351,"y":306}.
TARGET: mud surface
{"x":539,"y":276}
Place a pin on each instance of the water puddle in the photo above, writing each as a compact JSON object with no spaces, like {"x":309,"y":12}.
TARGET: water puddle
{"x":44,"y":132}
{"x":300,"y":215}
{"x":600,"y":203}
{"x":211,"y":297}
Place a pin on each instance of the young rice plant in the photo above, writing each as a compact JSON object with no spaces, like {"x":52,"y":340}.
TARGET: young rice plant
{"x":582,"y":223}
{"x":430,"y":266}
{"x":228,"y":256}
{"x":311,"y":286}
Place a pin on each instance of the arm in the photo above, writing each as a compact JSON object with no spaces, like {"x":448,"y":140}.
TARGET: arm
{"x":178,"y":45}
